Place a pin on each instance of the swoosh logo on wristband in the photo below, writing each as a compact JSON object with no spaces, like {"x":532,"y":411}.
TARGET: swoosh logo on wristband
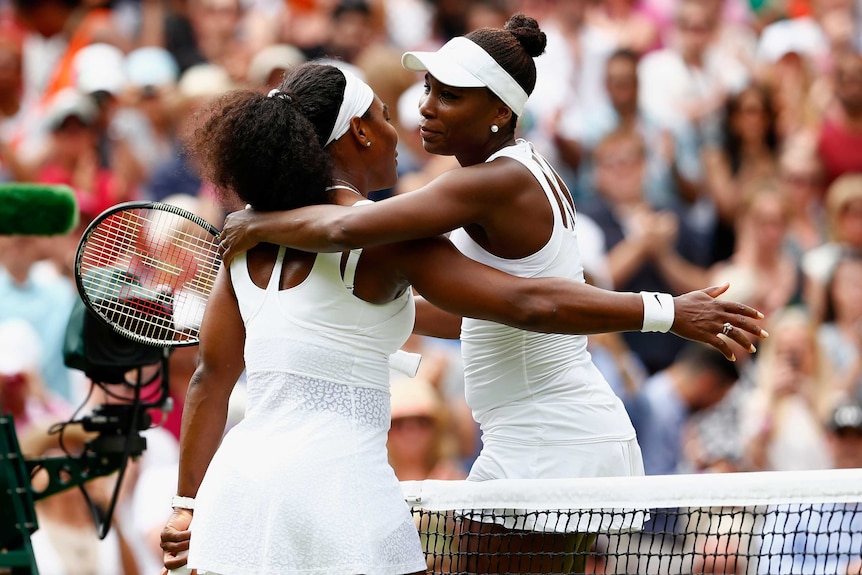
{"x":655,"y":295}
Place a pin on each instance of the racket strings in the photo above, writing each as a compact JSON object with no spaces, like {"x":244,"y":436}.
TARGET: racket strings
{"x":148,"y":272}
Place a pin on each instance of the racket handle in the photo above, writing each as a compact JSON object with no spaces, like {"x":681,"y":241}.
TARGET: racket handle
{"x":405,"y":362}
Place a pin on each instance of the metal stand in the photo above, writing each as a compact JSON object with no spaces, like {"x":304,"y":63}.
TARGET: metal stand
{"x":16,"y":498}
{"x":118,"y":440}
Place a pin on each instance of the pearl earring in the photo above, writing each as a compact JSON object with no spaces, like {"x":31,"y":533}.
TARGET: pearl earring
{"x":495,"y":128}
{"x":367,"y":144}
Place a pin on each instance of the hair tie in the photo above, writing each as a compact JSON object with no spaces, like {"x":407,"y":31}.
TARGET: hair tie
{"x":276,"y":93}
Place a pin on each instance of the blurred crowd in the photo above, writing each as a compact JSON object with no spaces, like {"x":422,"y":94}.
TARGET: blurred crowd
{"x":704,"y":141}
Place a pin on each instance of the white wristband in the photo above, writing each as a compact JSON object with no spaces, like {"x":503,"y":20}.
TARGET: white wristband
{"x":179,"y":502}
{"x":658,"y":311}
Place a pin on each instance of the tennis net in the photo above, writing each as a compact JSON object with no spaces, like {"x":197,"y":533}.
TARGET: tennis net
{"x":807,"y":522}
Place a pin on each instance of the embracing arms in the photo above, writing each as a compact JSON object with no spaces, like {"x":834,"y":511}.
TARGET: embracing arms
{"x":455,"y":199}
{"x":461,"y":286}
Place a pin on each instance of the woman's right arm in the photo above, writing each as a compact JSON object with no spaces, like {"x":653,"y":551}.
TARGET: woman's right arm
{"x":220,"y":365}
{"x":455,"y":199}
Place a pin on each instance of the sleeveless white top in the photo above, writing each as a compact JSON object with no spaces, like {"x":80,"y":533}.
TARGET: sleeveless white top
{"x":302,"y":484}
{"x":532,"y":389}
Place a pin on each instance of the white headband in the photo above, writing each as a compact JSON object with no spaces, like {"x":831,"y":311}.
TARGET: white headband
{"x":461,"y":63}
{"x":358,"y":97}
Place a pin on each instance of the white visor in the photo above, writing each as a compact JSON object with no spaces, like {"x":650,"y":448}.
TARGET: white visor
{"x":358,"y":97}
{"x":461,"y":63}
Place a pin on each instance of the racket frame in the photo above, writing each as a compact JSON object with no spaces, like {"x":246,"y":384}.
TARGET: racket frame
{"x":93,"y":226}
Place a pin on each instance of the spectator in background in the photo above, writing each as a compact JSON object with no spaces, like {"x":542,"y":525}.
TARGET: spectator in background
{"x":570,"y":82}
{"x":644,"y":246}
{"x":487,"y":13}
{"x":782,"y":416}
{"x":73,"y":154}
{"x":419,"y":445}
{"x":685,"y":86}
{"x":152,"y":94}
{"x":56,"y":31}
{"x":352,"y":30}
{"x":671,"y":162}
{"x":840,"y":334}
{"x":761,"y":270}
{"x":66,"y":542}
{"x":747,"y":153}
{"x":100,"y":70}
{"x":735,"y":13}
{"x":796,"y":90}
{"x":800,"y":177}
{"x":11,"y":93}
{"x":408,"y":23}
{"x":197,"y":85}
{"x":32,"y":289}
{"x":269,"y":66}
{"x":845,"y":436}
{"x":631,"y":28}
{"x":840,"y":136}
{"x":814,"y":36}
{"x":697,"y":379}
{"x":826,"y":537}
{"x":844,"y":217}
{"x":23,"y":393}
{"x":203,"y":31}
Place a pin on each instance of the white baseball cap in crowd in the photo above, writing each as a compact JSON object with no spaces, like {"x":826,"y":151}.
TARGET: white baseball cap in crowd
{"x":205,"y":81}
{"x":151,"y":67}
{"x":461,"y":63}
{"x":271,"y":58}
{"x":100,"y":67}
{"x":69,"y":103}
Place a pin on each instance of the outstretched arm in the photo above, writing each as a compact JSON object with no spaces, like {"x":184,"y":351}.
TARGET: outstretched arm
{"x":464,"y":287}
{"x":453,"y":200}
{"x":205,"y":410}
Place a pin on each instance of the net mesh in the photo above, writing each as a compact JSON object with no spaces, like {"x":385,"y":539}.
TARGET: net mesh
{"x":759,"y":523}
{"x":149,"y":272}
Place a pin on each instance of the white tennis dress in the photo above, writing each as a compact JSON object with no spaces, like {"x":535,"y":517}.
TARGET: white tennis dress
{"x":544,"y":409}
{"x":302,"y":484}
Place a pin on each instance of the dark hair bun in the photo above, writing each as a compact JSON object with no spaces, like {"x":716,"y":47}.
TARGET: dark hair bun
{"x":527,"y":31}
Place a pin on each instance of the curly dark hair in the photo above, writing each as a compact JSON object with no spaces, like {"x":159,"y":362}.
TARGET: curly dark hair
{"x":514,"y":47}
{"x":269,"y":151}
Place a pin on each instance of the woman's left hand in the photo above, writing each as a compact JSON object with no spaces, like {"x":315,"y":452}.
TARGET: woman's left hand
{"x":236,"y":236}
{"x":701,"y":316}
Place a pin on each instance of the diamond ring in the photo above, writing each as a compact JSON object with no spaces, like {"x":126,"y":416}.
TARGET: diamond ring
{"x":725,"y":329}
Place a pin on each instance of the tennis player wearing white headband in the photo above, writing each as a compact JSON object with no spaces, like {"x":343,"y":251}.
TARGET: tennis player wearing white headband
{"x":358,"y":97}
{"x":544,"y":409}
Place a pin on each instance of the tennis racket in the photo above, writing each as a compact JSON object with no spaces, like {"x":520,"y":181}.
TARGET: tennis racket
{"x":147,"y":270}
